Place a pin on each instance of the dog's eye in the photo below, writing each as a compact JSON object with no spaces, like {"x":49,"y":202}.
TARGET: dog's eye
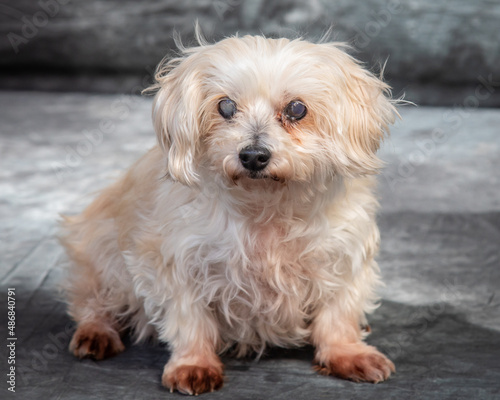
{"x":227,"y":108}
{"x":295,"y":110}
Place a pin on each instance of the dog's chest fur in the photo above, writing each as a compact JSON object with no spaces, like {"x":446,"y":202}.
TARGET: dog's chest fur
{"x":259,"y":275}
{"x":266,"y":288}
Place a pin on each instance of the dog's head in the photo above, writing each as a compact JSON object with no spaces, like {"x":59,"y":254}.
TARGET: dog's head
{"x":253,"y":108}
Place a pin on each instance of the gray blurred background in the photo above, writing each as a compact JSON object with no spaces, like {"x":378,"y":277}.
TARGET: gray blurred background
{"x":437,"y":52}
{"x":440,"y":191}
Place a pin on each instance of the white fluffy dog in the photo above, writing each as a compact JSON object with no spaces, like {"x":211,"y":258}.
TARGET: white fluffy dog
{"x":251,"y":223}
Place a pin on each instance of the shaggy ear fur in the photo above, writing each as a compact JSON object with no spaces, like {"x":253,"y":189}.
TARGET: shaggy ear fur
{"x":177,"y":115}
{"x":366,"y":111}
{"x":368,"y":119}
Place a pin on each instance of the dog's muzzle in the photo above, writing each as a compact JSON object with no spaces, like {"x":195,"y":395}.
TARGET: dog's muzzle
{"x":254,"y":158}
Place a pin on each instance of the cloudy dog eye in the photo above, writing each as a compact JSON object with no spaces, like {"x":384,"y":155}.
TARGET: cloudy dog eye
{"x":227,"y":108}
{"x":295,"y":110}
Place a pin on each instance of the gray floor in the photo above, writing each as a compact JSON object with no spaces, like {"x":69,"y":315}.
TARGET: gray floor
{"x":440,"y":256}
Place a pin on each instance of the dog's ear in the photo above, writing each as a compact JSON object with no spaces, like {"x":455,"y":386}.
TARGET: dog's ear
{"x":368,"y":112}
{"x":177,"y":116}
{"x":364,"y":111}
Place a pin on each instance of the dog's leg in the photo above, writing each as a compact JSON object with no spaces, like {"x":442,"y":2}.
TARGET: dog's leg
{"x":94,"y":288}
{"x":337,"y":336}
{"x":96,"y":335}
{"x":194,"y":366}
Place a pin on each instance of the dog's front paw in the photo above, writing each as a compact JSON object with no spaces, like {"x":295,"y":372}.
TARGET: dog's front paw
{"x":357,"y":362}
{"x":96,"y":341}
{"x":192,"y":379}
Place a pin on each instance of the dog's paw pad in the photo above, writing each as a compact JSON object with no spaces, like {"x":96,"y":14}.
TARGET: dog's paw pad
{"x":193,"y":380}
{"x":368,"y":365}
{"x":94,"y":341}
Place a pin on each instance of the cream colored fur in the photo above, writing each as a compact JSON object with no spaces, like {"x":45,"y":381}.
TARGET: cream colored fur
{"x":187,"y":246}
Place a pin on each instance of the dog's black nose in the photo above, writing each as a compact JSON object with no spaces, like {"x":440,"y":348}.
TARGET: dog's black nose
{"x":255,"y":158}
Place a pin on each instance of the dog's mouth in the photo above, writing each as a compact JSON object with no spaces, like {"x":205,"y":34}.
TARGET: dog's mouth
{"x":262,"y":175}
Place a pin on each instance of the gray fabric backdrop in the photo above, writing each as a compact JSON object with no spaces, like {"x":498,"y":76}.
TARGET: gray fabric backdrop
{"x":438,"y":52}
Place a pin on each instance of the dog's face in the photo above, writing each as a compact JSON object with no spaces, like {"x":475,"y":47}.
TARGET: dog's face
{"x":270,"y":110}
